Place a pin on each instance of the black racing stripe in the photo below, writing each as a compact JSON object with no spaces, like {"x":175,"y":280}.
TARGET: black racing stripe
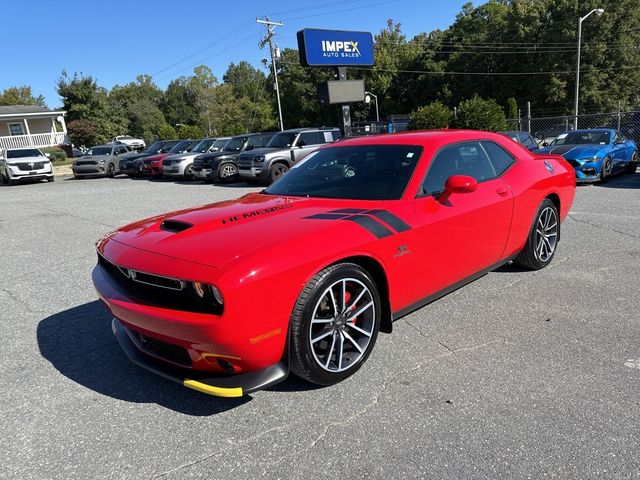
{"x":370,"y":224}
{"x":348,"y":210}
{"x":390,"y":219}
{"x":327,"y":216}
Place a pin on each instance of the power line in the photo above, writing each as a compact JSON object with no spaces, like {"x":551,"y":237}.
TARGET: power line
{"x":431,"y":72}
{"x":340,"y":11}
{"x":206,"y":47}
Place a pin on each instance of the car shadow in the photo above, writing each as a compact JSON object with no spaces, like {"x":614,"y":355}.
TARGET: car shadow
{"x":80,"y":345}
{"x":622,"y":181}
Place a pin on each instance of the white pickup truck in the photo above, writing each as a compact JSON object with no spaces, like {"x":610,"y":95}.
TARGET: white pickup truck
{"x":20,"y":164}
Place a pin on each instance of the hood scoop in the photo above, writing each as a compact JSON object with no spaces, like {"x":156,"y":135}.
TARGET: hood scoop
{"x":175,"y":226}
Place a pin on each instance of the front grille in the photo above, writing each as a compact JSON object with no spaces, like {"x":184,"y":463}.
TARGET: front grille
{"x":167,"y":163}
{"x":25,"y":167}
{"x":198,"y":163}
{"x":85,"y":162}
{"x":157,"y":290}
{"x":167,"y":351}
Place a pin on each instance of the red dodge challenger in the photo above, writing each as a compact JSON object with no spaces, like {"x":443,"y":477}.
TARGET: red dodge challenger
{"x":227,"y":298}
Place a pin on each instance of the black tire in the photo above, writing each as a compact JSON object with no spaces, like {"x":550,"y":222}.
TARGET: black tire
{"x":188,"y":172}
{"x":533,"y":256}
{"x":315,"y":301}
{"x":606,"y":170}
{"x":111,"y":171}
{"x":277,"y":170}
{"x":228,"y":172}
{"x":51,"y":179}
{"x":3,"y":180}
{"x":633,"y":164}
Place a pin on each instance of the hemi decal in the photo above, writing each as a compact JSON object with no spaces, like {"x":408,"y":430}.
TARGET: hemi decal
{"x":367,"y":219}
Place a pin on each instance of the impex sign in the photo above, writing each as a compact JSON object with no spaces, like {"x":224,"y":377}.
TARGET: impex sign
{"x":335,"y":48}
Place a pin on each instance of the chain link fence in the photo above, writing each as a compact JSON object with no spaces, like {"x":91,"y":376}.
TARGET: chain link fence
{"x":545,"y":129}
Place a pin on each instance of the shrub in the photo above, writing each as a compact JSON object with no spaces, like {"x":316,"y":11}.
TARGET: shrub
{"x":56,"y":154}
{"x":433,"y":116}
{"x":480,"y":114}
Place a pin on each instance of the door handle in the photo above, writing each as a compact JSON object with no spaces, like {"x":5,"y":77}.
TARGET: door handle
{"x":502,"y":191}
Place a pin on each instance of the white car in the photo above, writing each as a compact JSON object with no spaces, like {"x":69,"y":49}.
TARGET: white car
{"x":19,"y":164}
{"x":134,"y":143}
{"x":181,"y":164}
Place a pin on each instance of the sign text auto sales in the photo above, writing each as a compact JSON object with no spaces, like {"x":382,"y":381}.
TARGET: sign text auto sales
{"x":255,"y":213}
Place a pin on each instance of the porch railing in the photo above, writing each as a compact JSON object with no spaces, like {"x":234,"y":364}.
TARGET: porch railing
{"x":33,"y":140}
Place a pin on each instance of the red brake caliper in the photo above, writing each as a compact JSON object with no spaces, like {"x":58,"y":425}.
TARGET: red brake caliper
{"x":347,"y":299}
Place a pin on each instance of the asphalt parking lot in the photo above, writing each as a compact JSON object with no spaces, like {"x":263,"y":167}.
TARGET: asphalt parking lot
{"x":517,"y":375}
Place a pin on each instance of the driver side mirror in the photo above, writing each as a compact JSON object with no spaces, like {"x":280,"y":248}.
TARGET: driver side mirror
{"x":458,"y":184}
{"x":545,"y":144}
{"x":619,"y":141}
{"x":249,"y":147}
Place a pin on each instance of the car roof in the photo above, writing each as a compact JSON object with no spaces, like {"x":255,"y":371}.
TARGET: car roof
{"x":593,"y":130}
{"x":310,"y":129}
{"x":422,"y":137}
{"x":107,"y":145}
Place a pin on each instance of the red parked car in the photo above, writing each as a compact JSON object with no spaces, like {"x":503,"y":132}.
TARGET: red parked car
{"x":152,"y":165}
{"x":228,"y":298}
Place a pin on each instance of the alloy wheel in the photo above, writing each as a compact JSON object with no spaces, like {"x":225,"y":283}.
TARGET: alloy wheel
{"x":546,"y":234}
{"x":342,"y":325}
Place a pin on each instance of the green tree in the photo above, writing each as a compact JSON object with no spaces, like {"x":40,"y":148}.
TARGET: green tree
{"x":480,"y":114}
{"x":167,"y":132}
{"x":178,"y":103}
{"x":512,"y":108}
{"x":433,"y":116}
{"x":21,"y":95}
{"x":189,"y":131}
{"x":83,"y":99}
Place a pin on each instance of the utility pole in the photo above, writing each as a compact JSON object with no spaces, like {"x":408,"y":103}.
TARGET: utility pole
{"x":268,"y":39}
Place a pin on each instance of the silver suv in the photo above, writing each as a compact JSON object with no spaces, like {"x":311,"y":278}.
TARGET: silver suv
{"x":266,"y":165}
{"x":17,"y":164}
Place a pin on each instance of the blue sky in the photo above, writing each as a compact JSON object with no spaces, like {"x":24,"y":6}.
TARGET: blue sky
{"x":115,"y":40}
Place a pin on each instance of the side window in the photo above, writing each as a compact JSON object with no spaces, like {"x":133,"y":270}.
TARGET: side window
{"x":461,"y":159}
{"x":500,"y":159}
{"x":311,"y":138}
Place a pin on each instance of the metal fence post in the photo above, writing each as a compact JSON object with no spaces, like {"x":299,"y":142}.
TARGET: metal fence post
{"x":519,"y":120}
{"x":529,"y":117}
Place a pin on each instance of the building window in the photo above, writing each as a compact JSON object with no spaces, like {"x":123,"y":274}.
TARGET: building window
{"x":15,"y":129}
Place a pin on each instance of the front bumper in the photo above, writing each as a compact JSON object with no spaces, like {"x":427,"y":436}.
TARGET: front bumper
{"x":203,"y":174}
{"x":227,"y":386}
{"x":250,"y":172}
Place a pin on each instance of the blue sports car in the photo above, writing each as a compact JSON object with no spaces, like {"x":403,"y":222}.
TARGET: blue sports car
{"x":595,"y":154}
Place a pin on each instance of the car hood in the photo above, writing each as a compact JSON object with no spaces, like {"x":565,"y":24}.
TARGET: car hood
{"x":573,"y":152}
{"x":156,"y":157}
{"x":209,"y":157}
{"x":95,"y":158}
{"x":182,"y":156}
{"x":222,"y":232}
{"x":261,"y":151}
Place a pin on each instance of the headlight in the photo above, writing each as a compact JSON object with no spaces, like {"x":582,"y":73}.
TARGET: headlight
{"x":205,"y":291}
{"x":590,"y":159}
{"x":259,"y":159}
{"x":102,"y":160}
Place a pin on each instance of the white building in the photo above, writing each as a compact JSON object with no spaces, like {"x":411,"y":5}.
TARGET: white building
{"x":31,"y":126}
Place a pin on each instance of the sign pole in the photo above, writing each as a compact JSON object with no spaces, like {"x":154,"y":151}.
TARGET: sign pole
{"x":346,"y":109}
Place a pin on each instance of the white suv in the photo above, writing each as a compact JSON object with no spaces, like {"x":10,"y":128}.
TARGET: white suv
{"x":135,"y":143}
{"x":18,"y":164}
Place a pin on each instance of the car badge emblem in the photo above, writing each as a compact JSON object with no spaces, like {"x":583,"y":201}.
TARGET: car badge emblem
{"x":548,"y":166}
{"x":31,"y":165}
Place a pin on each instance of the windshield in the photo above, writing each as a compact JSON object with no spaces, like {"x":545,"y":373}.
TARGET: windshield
{"x":168,"y":146}
{"x":203,"y":146}
{"x":27,"y":152}
{"x":366,"y":172}
{"x":220,"y":143}
{"x":184,"y":146}
{"x":282,"y":140}
{"x":154,"y":148}
{"x":235,"y":144}
{"x":583,"y":138}
{"x":98,"y":151}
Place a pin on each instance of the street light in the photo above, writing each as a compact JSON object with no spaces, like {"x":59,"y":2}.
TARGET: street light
{"x":367,"y":99}
{"x":598,"y":11}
